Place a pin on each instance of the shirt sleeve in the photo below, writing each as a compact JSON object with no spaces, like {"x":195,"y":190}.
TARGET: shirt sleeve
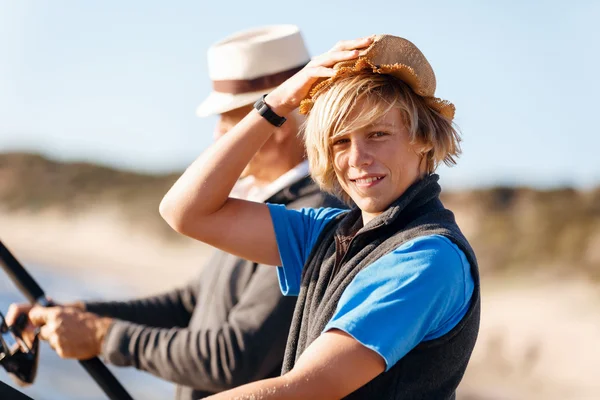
{"x":246,"y":347}
{"x":418,"y":292}
{"x":167,"y":310}
{"x":296,"y":232}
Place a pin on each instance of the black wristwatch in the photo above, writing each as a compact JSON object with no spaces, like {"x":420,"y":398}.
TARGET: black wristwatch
{"x":268,"y":114}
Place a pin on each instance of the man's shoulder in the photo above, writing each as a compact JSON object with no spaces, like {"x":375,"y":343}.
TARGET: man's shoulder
{"x":306,"y":193}
{"x":316,"y":200}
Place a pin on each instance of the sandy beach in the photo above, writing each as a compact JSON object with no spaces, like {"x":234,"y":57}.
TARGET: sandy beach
{"x":89,"y":245}
{"x":538,"y":340}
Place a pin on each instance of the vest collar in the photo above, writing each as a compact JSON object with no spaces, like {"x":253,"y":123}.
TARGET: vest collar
{"x":418,"y":194}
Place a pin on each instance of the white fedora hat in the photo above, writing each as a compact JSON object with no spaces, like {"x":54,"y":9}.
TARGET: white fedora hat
{"x":248,"y":64}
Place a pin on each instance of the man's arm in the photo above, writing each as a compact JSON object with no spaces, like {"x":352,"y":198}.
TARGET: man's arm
{"x":332,"y":367}
{"x":77,"y":329}
{"x":166,"y":310}
{"x":247,"y":347}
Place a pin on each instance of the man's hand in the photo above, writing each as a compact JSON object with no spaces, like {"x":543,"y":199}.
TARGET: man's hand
{"x":28,"y":333}
{"x":71,"y":332}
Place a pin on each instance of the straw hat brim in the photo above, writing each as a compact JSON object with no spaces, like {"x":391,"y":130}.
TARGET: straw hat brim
{"x":218,"y":103}
{"x":364,"y":65}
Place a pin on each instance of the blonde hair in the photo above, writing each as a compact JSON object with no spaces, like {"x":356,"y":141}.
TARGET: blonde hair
{"x":436,"y":136}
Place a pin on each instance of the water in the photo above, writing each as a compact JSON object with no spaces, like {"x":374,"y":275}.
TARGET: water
{"x":59,"y":379}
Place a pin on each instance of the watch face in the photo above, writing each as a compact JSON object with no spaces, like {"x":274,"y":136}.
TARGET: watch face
{"x":258,"y":103}
{"x":265,"y":111}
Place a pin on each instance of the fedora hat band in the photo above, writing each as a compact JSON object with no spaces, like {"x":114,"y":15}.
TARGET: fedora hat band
{"x":239,"y":86}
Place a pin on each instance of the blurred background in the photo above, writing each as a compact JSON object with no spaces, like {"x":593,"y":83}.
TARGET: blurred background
{"x":97,"y":120}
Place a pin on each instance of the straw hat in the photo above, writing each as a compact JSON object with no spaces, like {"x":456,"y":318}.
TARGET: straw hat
{"x":390,"y":55}
{"x":248,"y":64}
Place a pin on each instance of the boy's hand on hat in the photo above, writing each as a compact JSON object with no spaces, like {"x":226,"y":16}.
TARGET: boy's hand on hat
{"x":353,"y":44}
{"x":287,"y":96}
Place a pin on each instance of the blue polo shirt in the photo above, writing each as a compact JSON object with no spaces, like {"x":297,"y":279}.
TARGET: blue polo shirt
{"x":416,"y":293}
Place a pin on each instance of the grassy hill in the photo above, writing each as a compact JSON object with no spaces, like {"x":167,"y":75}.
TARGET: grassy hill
{"x":526,"y":230}
{"x":511,"y":229}
{"x":32,"y":184}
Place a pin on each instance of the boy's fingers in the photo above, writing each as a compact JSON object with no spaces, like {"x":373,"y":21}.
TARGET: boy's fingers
{"x":353,"y":44}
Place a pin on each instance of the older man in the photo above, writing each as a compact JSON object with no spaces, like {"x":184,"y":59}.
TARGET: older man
{"x":229,"y":326}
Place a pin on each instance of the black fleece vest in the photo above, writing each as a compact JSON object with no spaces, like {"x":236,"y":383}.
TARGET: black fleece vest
{"x":433,"y":369}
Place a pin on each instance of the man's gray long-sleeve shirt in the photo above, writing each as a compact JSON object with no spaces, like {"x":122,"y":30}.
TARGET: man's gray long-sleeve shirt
{"x":226,"y":328}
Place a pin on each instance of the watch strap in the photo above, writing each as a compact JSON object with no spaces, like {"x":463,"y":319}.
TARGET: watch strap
{"x":267,"y":113}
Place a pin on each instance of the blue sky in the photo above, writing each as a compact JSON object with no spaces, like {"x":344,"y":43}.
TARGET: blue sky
{"x":117,"y":82}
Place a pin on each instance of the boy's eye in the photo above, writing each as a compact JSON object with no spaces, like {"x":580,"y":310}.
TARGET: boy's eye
{"x":379,"y":134}
{"x":340,"y":141}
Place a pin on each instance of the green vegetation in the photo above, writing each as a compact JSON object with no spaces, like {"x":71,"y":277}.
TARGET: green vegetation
{"x":511,"y":229}
{"x":531,"y":231}
{"x":32,"y":183}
